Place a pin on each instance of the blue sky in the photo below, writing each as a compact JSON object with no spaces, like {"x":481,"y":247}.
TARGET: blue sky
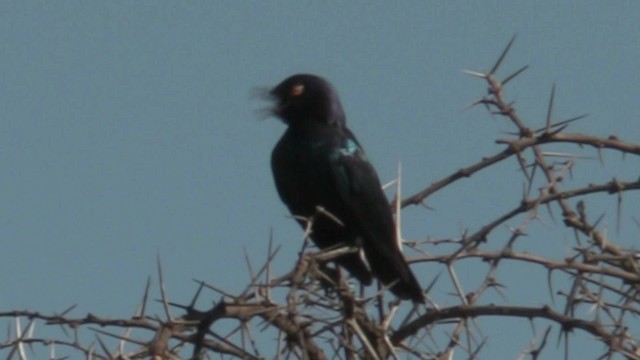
{"x":128,"y":130}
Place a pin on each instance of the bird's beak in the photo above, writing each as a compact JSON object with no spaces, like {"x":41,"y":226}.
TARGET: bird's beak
{"x":266,"y":94}
{"x":262,"y":93}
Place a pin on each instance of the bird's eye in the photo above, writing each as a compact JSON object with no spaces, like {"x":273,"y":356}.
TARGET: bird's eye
{"x":297,"y":90}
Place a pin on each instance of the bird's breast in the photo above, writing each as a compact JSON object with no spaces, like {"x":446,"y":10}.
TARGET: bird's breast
{"x":302,"y":174}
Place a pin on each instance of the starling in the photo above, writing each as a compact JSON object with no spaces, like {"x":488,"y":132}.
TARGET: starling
{"x":322,"y":173}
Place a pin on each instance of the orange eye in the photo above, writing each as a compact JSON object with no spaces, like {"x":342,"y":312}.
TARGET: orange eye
{"x":297,"y":90}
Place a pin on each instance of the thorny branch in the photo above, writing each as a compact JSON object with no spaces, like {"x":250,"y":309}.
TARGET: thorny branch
{"x":314,"y":312}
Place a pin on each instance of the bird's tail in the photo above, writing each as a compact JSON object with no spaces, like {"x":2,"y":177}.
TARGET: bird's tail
{"x":356,"y":267}
{"x":393,"y":270}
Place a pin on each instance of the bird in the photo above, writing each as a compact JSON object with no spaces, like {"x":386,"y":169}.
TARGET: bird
{"x":321,"y":172}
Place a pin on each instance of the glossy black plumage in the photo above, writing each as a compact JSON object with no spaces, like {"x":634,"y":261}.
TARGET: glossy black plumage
{"x":319,"y":163}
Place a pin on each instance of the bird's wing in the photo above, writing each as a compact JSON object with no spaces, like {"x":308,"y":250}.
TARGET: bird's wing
{"x":367,"y":208}
{"x":362,"y":196}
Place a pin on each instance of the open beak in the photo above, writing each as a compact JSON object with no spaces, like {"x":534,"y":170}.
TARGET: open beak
{"x":265,"y":93}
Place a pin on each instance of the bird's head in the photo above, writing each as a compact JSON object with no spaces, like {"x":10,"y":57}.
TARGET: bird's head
{"x":304,"y":97}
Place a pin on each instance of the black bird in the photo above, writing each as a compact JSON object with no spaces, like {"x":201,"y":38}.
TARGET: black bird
{"x":322,"y":172}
